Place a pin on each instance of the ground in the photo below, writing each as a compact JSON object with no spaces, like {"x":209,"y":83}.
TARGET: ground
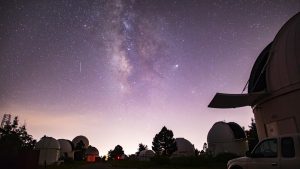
{"x":109,"y":166}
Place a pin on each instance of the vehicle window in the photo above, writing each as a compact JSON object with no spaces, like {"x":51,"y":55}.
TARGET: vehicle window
{"x":267,"y":148}
{"x":287,"y":147}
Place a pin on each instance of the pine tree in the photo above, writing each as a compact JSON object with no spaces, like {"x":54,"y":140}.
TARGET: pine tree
{"x":141,"y":148}
{"x":14,"y":137}
{"x":252,"y":135}
{"x":116,"y":154}
{"x":164,"y":143}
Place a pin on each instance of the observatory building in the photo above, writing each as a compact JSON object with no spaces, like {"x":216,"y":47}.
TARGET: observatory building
{"x":82,"y":139}
{"x":91,"y":154}
{"x":146,"y":155}
{"x":226,"y":138}
{"x":66,"y":149}
{"x":184,"y":148}
{"x":49,"y":150}
{"x":80,"y":142}
{"x":273,"y":86}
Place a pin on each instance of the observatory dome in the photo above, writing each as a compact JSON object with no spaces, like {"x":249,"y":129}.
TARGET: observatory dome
{"x":226,"y":138}
{"x":184,"y":145}
{"x":65,"y":145}
{"x":48,"y":150}
{"x":47,"y":143}
{"x":278,"y":65}
{"x":184,"y":148}
{"x":147,"y":153}
{"x":77,"y":139}
{"x":92,"y":151}
{"x":222,"y":132}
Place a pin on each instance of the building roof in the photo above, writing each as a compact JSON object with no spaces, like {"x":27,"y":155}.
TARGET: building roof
{"x":146,"y":153}
{"x":77,"y":139}
{"x":47,"y":143}
{"x":92,"y":151}
{"x":183,"y":145}
{"x":65,"y":145}
{"x":222,"y":132}
{"x":237,"y":130}
{"x":283,"y":67}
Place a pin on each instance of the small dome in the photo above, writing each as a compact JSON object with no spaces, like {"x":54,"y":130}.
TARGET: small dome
{"x":77,"y":139}
{"x":146,"y":153}
{"x":222,"y":132}
{"x":47,"y":143}
{"x":65,"y":145}
{"x":278,"y":66}
{"x":184,"y":145}
{"x":92,"y":151}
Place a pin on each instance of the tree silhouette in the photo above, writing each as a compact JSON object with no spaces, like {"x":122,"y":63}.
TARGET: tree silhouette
{"x":197,"y":152}
{"x":116,"y":154}
{"x":252,"y":136}
{"x":15,"y":138}
{"x":141,"y":148}
{"x":79,"y":151}
{"x":204,"y":147}
{"x":164,"y":143}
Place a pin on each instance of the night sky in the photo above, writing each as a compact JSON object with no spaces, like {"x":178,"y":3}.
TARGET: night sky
{"x":118,"y":71}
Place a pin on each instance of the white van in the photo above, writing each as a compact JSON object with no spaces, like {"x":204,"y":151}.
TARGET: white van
{"x":281,"y":152}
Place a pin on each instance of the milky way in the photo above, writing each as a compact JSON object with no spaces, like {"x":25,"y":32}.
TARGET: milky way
{"x":118,"y":71}
{"x":135,"y":46}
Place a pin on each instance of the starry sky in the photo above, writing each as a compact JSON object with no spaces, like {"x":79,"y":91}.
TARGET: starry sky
{"x":118,"y":71}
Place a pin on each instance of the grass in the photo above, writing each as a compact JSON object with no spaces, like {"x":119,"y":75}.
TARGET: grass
{"x":203,"y":162}
{"x":69,"y":165}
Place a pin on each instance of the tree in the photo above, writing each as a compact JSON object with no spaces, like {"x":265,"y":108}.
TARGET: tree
{"x":204,"y":147}
{"x":15,"y":138}
{"x":164,"y":143}
{"x":79,"y":151}
{"x":252,"y":135}
{"x":141,"y":148}
{"x":197,"y":152}
{"x":116,"y":154}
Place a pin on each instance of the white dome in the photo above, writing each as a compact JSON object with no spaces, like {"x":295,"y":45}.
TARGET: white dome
{"x":184,"y":147}
{"x":92,"y":151}
{"x":65,"y":145}
{"x":147,"y":153}
{"x":47,"y":143}
{"x":222,"y":132}
{"x":77,"y":139}
{"x":226,"y":138}
{"x":48,"y":150}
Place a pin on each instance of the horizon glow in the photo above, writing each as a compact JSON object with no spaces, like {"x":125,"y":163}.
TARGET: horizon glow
{"x":118,"y":71}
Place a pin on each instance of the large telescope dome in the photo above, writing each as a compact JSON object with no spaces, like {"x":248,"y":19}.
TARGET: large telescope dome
{"x":278,"y":65}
